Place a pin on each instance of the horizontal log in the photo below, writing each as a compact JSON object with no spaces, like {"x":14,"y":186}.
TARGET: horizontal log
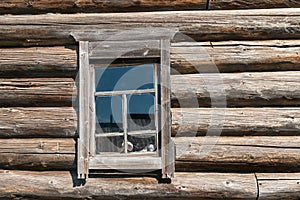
{"x":61,"y":121}
{"x":38,"y":122}
{"x":191,"y":90}
{"x":62,"y":185}
{"x":278,"y":186}
{"x":235,"y":121}
{"x":38,"y":62}
{"x":206,"y":154}
{"x":101,"y":6}
{"x":248,"y":4}
{"x":238,"y":154}
{"x":55,"y":29}
{"x":37,"y":92}
{"x":188,"y":57}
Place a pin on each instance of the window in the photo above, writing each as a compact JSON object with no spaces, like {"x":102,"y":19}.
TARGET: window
{"x":124,"y":107}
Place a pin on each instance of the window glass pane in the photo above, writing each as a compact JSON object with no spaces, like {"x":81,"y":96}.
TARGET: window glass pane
{"x":109,"y":114}
{"x":141,"y":112}
{"x":124,"y":78}
{"x":109,"y":144}
{"x":142,"y":143}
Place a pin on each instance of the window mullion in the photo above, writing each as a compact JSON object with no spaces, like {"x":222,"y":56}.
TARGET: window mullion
{"x":125,"y":125}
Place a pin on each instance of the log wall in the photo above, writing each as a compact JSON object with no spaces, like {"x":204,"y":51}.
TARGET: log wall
{"x":102,"y":6}
{"x":255,"y":51}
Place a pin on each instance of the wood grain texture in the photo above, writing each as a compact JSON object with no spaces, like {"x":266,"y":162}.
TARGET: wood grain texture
{"x":279,"y":186}
{"x":37,"y":92}
{"x":55,"y":29}
{"x":186,"y":57}
{"x":38,"y":122}
{"x":238,"y":154}
{"x":38,"y":62}
{"x":248,"y":4}
{"x":62,"y":185}
{"x":99,"y":6}
{"x":190,"y":90}
{"x":235,"y":121}
{"x":194,"y":154}
{"x":61,"y":121}
{"x":236,"y":89}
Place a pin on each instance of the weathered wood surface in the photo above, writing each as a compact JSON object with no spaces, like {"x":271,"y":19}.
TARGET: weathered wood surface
{"x":206,"y":154}
{"x":37,"y":92}
{"x":249,"y":4}
{"x":237,"y":89}
{"x":50,"y":29}
{"x":100,"y":6}
{"x":190,"y":90}
{"x":63,"y":185}
{"x":235,"y":121}
{"x":191,"y":57}
{"x":61,"y":121}
{"x":279,"y":186}
{"x":38,"y":62}
{"x":238,"y":154}
{"x":38,"y":122}
{"x":235,"y":56}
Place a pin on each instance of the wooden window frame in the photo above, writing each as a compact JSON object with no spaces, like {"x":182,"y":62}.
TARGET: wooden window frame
{"x":86,"y":158}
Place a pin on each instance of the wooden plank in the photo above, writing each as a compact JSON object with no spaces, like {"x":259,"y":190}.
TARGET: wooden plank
{"x":237,"y":121}
{"x":248,"y":4}
{"x":279,"y":186}
{"x":83,"y":111}
{"x":101,"y":6}
{"x":44,"y":185}
{"x":55,"y":29}
{"x":124,"y":92}
{"x":61,"y":121}
{"x":229,"y":56}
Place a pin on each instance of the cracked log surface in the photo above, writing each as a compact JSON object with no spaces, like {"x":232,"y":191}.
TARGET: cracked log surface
{"x":249,"y":4}
{"x":190,"y":90}
{"x":187,"y":57}
{"x":62,"y":185}
{"x":206,"y":154}
{"x":61,"y":121}
{"x":55,"y":29}
{"x":100,"y":6}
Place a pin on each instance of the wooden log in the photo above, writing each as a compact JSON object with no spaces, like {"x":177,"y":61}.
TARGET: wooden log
{"x":191,"y":90}
{"x":61,"y":121}
{"x":37,"y":92}
{"x":238,"y":154}
{"x":55,"y":29}
{"x":38,"y":62}
{"x":238,"y":89}
{"x":235,"y":121}
{"x":235,"y":56}
{"x":278,"y":186}
{"x":206,"y":154}
{"x":38,"y":122}
{"x":64,"y":185}
{"x":248,"y":4}
{"x":100,"y":6}
{"x":229,"y":56}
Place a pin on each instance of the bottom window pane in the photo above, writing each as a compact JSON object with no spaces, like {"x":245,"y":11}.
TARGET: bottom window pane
{"x":109,"y":144}
{"x":142,"y":143}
